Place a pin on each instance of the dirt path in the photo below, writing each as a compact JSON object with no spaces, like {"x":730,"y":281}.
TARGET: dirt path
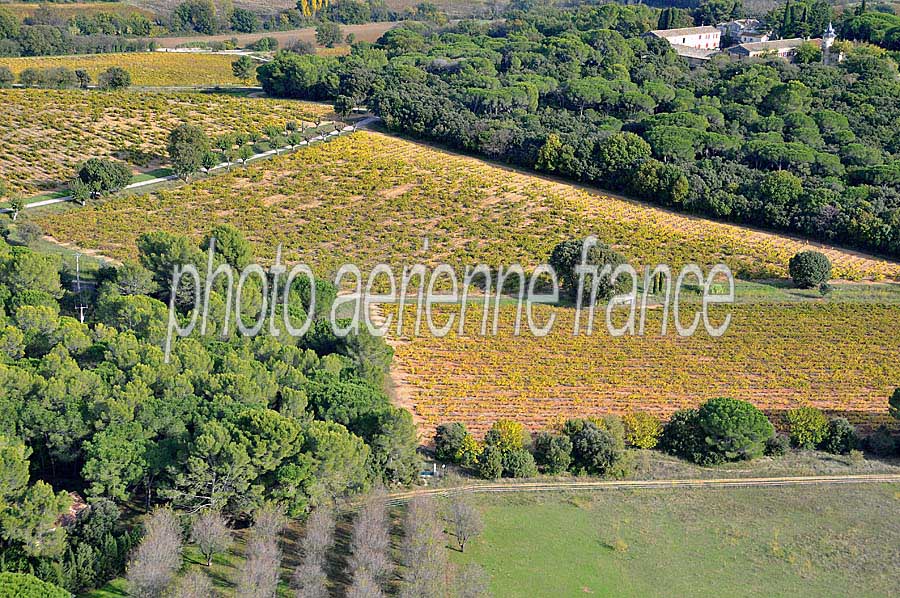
{"x":404,"y":496}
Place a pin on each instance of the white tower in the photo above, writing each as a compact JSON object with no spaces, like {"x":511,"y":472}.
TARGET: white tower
{"x":828,"y":38}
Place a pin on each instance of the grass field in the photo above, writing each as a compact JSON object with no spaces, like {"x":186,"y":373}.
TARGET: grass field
{"x":44,"y":134}
{"x":841,"y":357}
{"x":757,"y":542}
{"x":371,"y":198}
{"x":146,"y":68}
{"x":742,"y":542}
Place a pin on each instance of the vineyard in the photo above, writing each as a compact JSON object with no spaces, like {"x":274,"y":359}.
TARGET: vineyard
{"x":146,"y":68}
{"x":371,"y":198}
{"x":44,"y":134}
{"x":841,"y":358}
{"x":70,"y":9}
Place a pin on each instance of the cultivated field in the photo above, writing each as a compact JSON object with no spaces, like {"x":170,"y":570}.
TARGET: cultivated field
{"x":370,"y":198}
{"x":146,"y":68}
{"x":843,"y":358}
{"x":743,"y":542}
{"x":44,"y":134}
{"x":367,"y":32}
{"x":69,"y":10}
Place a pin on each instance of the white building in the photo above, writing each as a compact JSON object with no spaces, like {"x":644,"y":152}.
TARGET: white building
{"x":699,"y":38}
{"x":744,"y":31}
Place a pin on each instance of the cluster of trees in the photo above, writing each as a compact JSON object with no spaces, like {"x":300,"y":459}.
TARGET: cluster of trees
{"x":60,"y":77}
{"x":229,"y":423}
{"x":192,"y":150}
{"x":806,"y":148}
{"x":593,"y":446}
{"x":876,"y":27}
{"x":718,"y":431}
{"x":47,"y":33}
{"x":423,"y":568}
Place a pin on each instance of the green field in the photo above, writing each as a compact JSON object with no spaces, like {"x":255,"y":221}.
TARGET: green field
{"x":802,"y":541}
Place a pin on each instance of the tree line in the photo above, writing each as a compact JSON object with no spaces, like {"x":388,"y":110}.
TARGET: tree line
{"x":230,"y":424}
{"x":805,"y":148}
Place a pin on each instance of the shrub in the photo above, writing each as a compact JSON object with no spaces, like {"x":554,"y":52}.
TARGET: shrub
{"x":777,"y":446}
{"x":470,"y":451}
{"x":519,"y":464}
{"x":808,"y":427}
{"x":680,"y":436}
{"x":552,"y":452}
{"x":506,"y":435}
{"x":490,"y":463}
{"x":881,"y":442}
{"x":594,"y":451}
{"x":841,"y":437}
{"x":732,"y":430}
{"x":113,"y":78}
{"x":809,"y":269}
{"x":448,"y":441}
{"x":642,"y":430}
{"x":6,"y":77}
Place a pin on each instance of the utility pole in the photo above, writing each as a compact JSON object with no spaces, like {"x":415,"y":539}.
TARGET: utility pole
{"x":81,"y":306}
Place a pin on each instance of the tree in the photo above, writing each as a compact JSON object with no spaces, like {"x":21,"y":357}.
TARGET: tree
{"x":894,"y":404}
{"x":466,"y":521}
{"x":364,"y":586}
{"x":157,"y":558}
{"x":552,"y":452}
{"x":84,"y":78}
{"x":370,"y":541}
{"x":243,"y":68}
{"x":245,"y":152}
{"x":732,"y":430}
{"x":244,"y":21}
{"x":642,"y":429}
{"x":102,"y":176}
{"x":841,"y":437}
{"x":808,"y":427}
{"x":197,"y":15}
{"x":328,"y":34}
{"x":809,"y":269}
{"x":309,"y":580}
{"x":22,"y":585}
{"x":490,"y":463}
{"x":472,"y":582}
{"x":618,"y":154}
{"x":258,"y":575}
{"x":16,"y":205}
{"x":31,"y":521}
{"x":566,"y":257}
{"x":211,"y":534}
{"x":114,"y":78}
{"x":13,"y":469}
{"x":115,"y":460}
{"x":423,"y":558}
{"x":193,"y":584}
{"x":187,"y":146}
{"x":594,"y":450}
{"x":448,"y":440}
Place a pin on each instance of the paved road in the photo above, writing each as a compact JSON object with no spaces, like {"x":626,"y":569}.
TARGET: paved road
{"x":549,"y":486}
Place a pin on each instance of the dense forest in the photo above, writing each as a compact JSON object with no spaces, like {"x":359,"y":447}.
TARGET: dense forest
{"x":800,"y":147}
{"x":229,"y":423}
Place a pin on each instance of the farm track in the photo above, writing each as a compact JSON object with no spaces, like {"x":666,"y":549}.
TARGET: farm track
{"x":401,"y":497}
